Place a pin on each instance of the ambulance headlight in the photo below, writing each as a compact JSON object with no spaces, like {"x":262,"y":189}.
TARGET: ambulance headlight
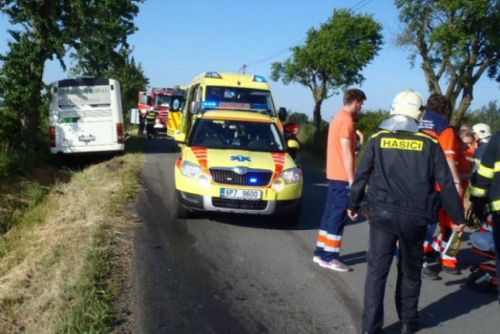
{"x":291,"y":175}
{"x":190,"y":169}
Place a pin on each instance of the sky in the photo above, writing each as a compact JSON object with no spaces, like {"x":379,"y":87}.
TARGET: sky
{"x":177,"y":40}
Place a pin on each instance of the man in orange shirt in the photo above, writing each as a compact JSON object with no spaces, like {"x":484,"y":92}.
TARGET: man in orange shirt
{"x":340,"y":174}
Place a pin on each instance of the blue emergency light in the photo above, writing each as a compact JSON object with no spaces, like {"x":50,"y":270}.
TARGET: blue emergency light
{"x":209,"y":104}
{"x":259,"y":106}
{"x":253,"y":180}
{"x":259,"y":78}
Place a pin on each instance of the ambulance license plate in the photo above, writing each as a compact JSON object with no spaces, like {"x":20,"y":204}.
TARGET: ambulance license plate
{"x":240,"y":194}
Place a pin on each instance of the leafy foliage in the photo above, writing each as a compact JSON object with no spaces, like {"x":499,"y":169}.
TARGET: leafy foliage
{"x":299,"y":117}
{"x":457,"y":41}
{"x":489,"y":114}
{"x":332,"y":57}
{"x":132,"y":79}
{"x":368,"y":122}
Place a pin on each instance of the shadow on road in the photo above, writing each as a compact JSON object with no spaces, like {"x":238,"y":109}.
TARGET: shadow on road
{"x":455,"y":304}
{"x":450,"y":307}
{"x":253,"y":221}
{"x":160,"y":145}
{"x":354,"y":258}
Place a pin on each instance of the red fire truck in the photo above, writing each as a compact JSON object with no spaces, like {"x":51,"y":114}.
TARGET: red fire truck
{"x":154,"y":105}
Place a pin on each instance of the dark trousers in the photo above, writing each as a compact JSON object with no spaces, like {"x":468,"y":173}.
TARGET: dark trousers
{"x":142,"y":124}
{"x":386,"y":229}
{"x":496,"y":239}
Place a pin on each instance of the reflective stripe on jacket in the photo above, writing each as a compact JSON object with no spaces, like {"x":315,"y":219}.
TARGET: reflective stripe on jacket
{"x":486,"y":182}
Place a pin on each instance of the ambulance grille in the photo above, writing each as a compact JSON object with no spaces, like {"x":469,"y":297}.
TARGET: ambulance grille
{"x":238,"y":204}
{"x":250,"y":177}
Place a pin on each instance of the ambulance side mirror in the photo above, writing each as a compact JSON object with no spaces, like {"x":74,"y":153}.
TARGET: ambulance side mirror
{"x":195,"y":107}
{"x":282,"y":113}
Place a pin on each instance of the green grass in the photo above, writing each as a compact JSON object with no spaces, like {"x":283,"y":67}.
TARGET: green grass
{"x":21,"y":197}
{"x":94,"y":292}
{"x":91,"y":310}
{"x":60,"y":269}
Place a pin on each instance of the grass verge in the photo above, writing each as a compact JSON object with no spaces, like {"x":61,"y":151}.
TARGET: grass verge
{"x":59,"y":263}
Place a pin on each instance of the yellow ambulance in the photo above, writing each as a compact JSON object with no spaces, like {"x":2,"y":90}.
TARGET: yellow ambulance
{"x":234,"y":157}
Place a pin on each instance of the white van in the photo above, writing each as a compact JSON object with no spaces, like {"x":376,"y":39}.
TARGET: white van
{"x":86,"y":116}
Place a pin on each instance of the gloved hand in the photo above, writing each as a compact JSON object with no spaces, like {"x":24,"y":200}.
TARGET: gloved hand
{"x":478,"y":205}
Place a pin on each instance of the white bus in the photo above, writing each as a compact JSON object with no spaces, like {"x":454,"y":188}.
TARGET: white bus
{"x":86,"y":116}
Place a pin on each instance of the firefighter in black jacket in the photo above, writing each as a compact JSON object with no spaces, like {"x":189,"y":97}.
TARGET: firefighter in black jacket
{"x":485,"y":187}
{"x":402,"y":167}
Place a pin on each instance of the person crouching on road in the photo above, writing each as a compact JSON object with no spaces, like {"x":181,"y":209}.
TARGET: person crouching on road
{"x":340,"y":174}
{"x":401,"y":167}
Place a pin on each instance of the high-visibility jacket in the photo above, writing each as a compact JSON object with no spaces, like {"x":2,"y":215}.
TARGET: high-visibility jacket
{"x":151,"y":115}
{"x":478,"y":153}
{"x":486,"y":182}
{"x":402,"y":169}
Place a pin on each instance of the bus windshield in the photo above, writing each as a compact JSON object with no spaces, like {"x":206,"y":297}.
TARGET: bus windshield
{"x":236,"y":98}
{"x":230,"y":134}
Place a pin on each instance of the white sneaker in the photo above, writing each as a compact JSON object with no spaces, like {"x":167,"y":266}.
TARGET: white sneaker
{"x":317,"y":259}
{"x":335,"y":264}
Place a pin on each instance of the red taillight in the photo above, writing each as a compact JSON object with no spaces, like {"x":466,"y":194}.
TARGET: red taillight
{"x":52,"y":136}
{"x":119,"y":133}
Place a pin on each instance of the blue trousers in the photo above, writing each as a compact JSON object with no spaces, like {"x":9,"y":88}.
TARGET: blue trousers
{"x":334,"y":218}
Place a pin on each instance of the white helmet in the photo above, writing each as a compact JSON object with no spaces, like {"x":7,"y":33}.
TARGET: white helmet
{"x":481,"y":130}
{"x":408,"y":103}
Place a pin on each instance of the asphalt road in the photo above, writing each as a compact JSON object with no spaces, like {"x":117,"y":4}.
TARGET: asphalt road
{"x":231,"y":274}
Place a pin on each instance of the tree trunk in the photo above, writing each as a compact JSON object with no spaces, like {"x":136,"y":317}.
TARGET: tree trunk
{"x":462,"y":108}
{"x":34,"y":104}
{"x":317,"y":121}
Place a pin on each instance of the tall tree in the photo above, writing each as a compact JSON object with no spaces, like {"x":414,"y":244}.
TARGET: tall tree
{"x":457,"y":41}
{"x":132,"y":80}
{"x":489,"y":114}
{"x":106,"y":47}
{"x":47,"y":29}
{"x":332,"y":57}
